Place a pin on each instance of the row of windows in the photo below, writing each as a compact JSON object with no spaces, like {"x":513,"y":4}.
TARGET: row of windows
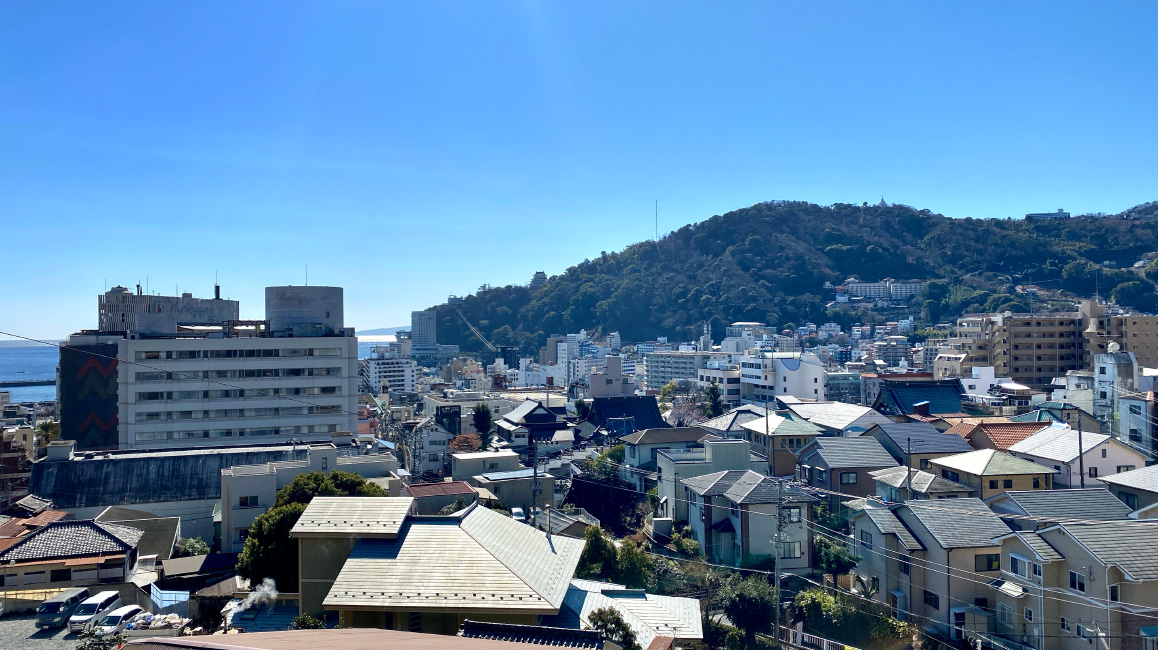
{"x":180,"y":355}
{"x":219,"y":414}
{"x":146,"y":436}
{"x":248,"y":373}
{"x":180,"y":395}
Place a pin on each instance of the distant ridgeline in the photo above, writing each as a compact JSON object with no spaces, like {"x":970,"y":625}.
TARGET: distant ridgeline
{"x":770,"y":263}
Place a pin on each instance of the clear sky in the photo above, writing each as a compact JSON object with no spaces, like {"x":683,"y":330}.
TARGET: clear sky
{"x":409,"y":151}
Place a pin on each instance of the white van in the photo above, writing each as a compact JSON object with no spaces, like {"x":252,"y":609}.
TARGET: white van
{"x":91,"y":610}
{"x":116,"y":620}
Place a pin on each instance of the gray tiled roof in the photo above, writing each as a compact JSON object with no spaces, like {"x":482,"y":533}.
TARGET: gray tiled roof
{"x":1143,"y":478}
{"x":63,"y":539}
{"x":958,"y":523}
{"x":850,"y":452}
{"x":674,"y":434}
{"x":1089,"y":503}
{"x":888,"y":524}
{"x":715,"y":484}
{"x":752,"y":487}
{"x":1127,"y":544}
{"x":159,"y":535}
{"x":924,"y":438}
{"x":922,"y":482}
{"x":1043,"y":548}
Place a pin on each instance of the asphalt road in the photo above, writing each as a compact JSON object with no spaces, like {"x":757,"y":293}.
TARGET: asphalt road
{"x":19,"y":632}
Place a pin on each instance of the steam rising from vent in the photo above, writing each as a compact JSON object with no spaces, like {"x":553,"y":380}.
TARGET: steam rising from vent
{"x":263,"y":594}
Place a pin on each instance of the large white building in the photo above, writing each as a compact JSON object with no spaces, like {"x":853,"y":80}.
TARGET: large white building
{"x":663,"y":367}
{"x":293,"y":376}
{"x":764,"y":376}
{"x":387,"y":370}
{"x":121,"y":310}
{"x":423,"y":328}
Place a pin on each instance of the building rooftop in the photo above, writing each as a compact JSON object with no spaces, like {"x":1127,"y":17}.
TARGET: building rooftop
{"x":512,"y":567}
{"x":1006,"y":434}
{"x":899,"y":396}
{"x":958,"y":523}
{"x":356,"y":516}
{"x":990,"y":462}
{"x":648,"y":615}
{"x":561,"y":637}
{"x":1125,"y":544}
{"x":778,"y":425}
{"x":671,"y":434}
{"x":848,"y":452}
{"x":72,"y":539}
{"x":343,"y":639}
{"x":527,"y":472}
{"x":920,"y":438}
{"x":889,"y":524}
{"x":642,"y":412}
{"x":481,"y":455}
{"x":443,"y":488}
{"x":1051,"y":505}
{"x":834,"y":415}
{"x":921,"y":482}
{"x":1045,"y":552}
{"x":732,"y":420}
{"x":1058,"y":443}
{"x":1143,"y":478}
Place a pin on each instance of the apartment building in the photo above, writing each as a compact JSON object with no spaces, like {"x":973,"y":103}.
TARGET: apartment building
{"x":726,"y":376}
{"x":291,"y":376}
{"x":764,"y":376}
{"x":386,"y":371}
{"x":663,"y":367}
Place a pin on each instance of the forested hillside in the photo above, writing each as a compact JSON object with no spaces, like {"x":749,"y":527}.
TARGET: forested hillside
{"x":769,"y":263}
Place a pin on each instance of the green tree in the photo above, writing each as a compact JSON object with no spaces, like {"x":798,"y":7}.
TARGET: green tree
{"x":818,"y":609}
{"x":632,"y":565}
{"x":49,"y":431}
{"x":451,"y":508}
{"x":668,"y":391}
{"x":481,"y":418}
{"x":750,"y":603}
{"x":307,"y":622}
{"x":269,"y":552}
{"x":832,"y":557}
{"x":599,"y":555}
{"x":90,"y":639}
{"x":582,"y":410}
{"x":194,"y":546}
{"x":712,"y":405}
{"x":608,"y":622}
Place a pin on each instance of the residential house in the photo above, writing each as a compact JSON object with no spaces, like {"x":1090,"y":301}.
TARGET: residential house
{"x":1065,"y":412}
{"x":938,"y":576}
{"x":990,"y":472}
{"x":1078,"y":585}
{"x":429,"y":444}
{"x":780,"y":436}
{"x":656,"y":621}
{"x":1137,"y":489}
{"x":66,"y":554}
{"x":641,"y":450}
{"x":999,"y":435}
{"x":379,"y":565}
{"x":467,"y":464}
{"x":838,"y":418}
{"x":914,"y":444}
{"x":897,"y":484}
{"x":734,"y":514}
{"x":249,"y":490}
{"x":160,"y":534}
{"x":533,"y":421}
{"x":431,"y":498}
{"x":1034,"y":509}
{"x":842,"y":465}
{"x":619,"y":416}
{"x":717,"y":455}
{"x":728,"y":425}
{"x":1100,"y":456}
{"x":515,"y":489}
{"x":572,"y":522}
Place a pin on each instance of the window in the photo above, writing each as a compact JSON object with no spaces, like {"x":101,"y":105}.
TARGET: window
{"x":1113,"y":593}
{"x":1018,"y":566}
{"x":1007,"y":483}
{"x":248,"y":502}
{"x":1135,"y":410}
{"x":925,"y":463}
{"x":1036,"y":483}
{"x":987,"y":562}
{"x":34,"y":578}
{"x":1093,"y":472}
{"x":1131,"y":500}
{"x":1065,"y":624}
{"x":790,"y":550}
{"x":848,"y":478}
{"x":993,"y":485}
{"x":905,"y":564}
{"x":1102,"y":370}
{"x":1103,"y":453}
{"x":1078,"y":581}
{"x":60,"y":575}
{"x":820,"y":478}
{"x":1004,"y":614}
{"x":790,"y":514}
{"x":866,"y":539}
{"x":1081,"y":630}
{"x":1028,"y":613}
{"x":952,"y":476}
{"x":1135,"y":435}
{"x":932,"y":600}
{"x":1125,"y":468}
{"x":1036,"y":570}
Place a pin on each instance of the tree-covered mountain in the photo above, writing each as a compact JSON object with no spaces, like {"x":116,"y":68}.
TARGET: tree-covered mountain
{"x":769,"y":263}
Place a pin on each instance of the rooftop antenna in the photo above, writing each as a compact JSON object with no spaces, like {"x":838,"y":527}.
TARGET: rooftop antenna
{"x":307,"y":275}
{"x":657,"y":220}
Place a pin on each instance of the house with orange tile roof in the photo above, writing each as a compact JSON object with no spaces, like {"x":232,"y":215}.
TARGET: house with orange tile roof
{"x":1000,"y":435}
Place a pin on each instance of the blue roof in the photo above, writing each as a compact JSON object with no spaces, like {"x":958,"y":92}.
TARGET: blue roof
{"x":503,"y":476}
{"x":898,"y":397}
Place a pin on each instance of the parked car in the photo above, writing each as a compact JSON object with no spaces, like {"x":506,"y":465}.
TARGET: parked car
{"x":518,"y":515}
{"x":115,"y":620}
{"x":55,"y":610}
{"x":93,"y":609}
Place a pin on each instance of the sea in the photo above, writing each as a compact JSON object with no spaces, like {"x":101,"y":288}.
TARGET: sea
{"x":21,"y":360}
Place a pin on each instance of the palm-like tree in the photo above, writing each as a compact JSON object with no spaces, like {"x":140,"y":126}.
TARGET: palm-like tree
{"x":49,"y":431}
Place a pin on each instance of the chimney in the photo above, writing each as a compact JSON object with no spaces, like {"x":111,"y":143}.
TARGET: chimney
{"x":217,"y":292}
{"x":921,"y":408}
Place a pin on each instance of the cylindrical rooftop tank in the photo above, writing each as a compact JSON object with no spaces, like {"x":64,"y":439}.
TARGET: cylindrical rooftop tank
{"x":288,"y":306}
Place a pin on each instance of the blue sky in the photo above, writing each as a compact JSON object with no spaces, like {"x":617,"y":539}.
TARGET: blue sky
{"x":414,"y":150}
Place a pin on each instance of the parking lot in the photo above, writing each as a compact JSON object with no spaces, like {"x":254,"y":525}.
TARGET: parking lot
{"x":19,"y":631}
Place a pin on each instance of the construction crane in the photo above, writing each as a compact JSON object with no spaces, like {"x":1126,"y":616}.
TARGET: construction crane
{"x":475,"y":331}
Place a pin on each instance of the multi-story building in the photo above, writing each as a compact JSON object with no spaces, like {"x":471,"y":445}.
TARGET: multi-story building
{"x":611,"y":382}
{"x":385,"y":371}
{"x":717,"y":455}
{"x":424,"y":328}
{"x":844,"y":387}
{"x":664,"y":367}
{"x":887,"y":289}
{"x":726,"y":376}
{"x":894,"y":350}
{"x":764,"y":376}
{"x":292,"y":376}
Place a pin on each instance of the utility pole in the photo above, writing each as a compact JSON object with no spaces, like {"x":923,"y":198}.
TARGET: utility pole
{"x":909,"y":466}
{"x":776,"y":554}
{"x":1081,"y":456}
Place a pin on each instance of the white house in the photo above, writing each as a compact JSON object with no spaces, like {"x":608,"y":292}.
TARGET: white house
{"x":1057,"y":447}
{"x":764,"y":376}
